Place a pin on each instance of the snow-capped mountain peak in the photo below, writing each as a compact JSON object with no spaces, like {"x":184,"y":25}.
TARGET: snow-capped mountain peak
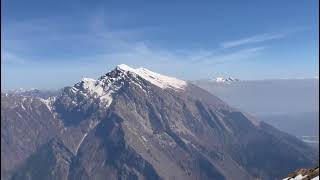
{"x":104,"y":87}
{"x":225,"y":80}
{"x":157,"y":79}
{"x":124,"y":67}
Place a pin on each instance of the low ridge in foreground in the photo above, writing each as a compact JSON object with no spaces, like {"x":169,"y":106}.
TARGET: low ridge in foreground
{"x":304,"y":174}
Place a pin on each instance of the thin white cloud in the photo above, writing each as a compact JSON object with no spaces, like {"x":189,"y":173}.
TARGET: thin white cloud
{"x":240,"y":55}
{"x":107,"y":43}
{"x":142,"y":55}
{"x":106,"y":47}
{"x":12,"y":58}
{"x":253,"y":39}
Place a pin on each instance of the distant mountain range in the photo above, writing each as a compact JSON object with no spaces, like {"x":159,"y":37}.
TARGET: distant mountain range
{"x":224,"y":80}
{"x":138,"y":124}
{"x":44,"y":94}
{"x":220,"y":79}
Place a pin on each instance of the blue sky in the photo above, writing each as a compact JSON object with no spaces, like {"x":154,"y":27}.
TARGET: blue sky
{"x":50,"y":44}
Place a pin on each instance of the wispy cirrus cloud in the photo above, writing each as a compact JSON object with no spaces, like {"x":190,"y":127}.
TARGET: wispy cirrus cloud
{"x":11,"y":58}
{"x":253,"y":39}
{"x":104,"y":43}
{"x":232,"y":56}
{"x":95,"y":47}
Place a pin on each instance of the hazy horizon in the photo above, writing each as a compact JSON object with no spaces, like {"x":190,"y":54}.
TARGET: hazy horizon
{"x":211,"y":78}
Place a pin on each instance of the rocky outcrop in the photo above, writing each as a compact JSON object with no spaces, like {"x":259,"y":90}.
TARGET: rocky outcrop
{"x":304,"y":174}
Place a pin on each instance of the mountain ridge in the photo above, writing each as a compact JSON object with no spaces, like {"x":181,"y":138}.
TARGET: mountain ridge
{"x":131,"y":126}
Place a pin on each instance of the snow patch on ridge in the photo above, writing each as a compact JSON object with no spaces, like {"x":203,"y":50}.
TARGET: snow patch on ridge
{"x":78,"y":146}
{"x":159,"y":80}
{"x":92,"y":125}
{"x":94,"y":88}
{"x":124,"y":67}
{"x":301,"y":177}
{"x":47,"y":102}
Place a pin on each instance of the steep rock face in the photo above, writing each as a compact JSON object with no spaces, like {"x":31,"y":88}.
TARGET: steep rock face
{"x":111,"y":155}
{"x":136,"y":124}
{"x":51,"y":161}
{"x":167,"y":129}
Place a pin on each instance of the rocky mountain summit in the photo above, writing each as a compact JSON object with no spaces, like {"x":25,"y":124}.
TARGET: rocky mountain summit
{"x":138,"y":124}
